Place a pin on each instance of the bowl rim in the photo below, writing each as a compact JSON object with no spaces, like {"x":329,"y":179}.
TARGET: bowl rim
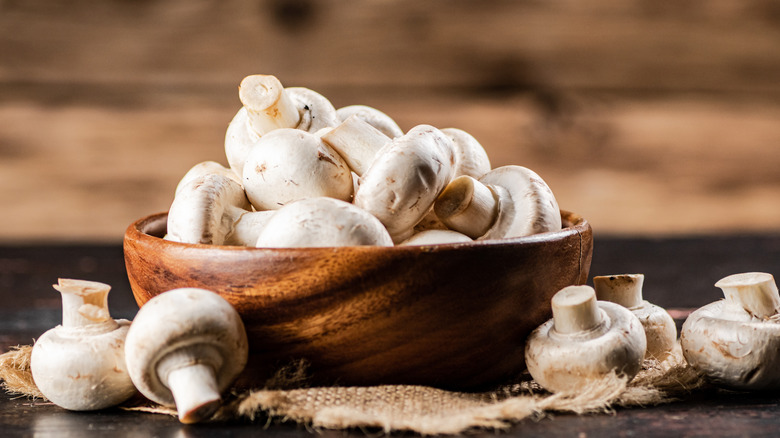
{"x":138,"y":231}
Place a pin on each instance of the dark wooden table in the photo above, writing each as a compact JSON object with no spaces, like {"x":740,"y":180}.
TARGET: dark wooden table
{"x":680,"y":273}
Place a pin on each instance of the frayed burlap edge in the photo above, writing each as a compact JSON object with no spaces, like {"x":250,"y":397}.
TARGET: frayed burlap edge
{"x":15,"y":372}
{"x":425,"y":410}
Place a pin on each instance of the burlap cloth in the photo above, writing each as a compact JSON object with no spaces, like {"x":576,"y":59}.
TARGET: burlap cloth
{"x":420,"y":409}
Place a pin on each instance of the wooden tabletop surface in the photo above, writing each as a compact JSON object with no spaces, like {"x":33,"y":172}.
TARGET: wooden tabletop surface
{"x":680,"y":273}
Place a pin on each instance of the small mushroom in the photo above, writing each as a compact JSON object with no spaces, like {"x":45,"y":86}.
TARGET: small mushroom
{"x":184,"y":349}
{"x":626,"y":290}
{"x":510,"y":201}
{"x":372,"y":116}
{"x":80,"y":364}
{"x":470,"y":157}
{"x":405,"y":178}
{"x":436,"y":237}
{"x":322,"y":222}
{"x":287,"y":165}
{"x":213,"y":209}
{"x":268,"y":106}
{"x":735,"y":342}
{"x":585,"y":340}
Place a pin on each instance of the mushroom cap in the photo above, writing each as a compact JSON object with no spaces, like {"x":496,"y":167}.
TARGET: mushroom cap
{"x":322,"y":222}
{"x":563,"y":362}
{"x":436,"y":237}
{"x":405,"y":178}
{"x":204,"y":210}
{"x":206,"y":168}
{"x":732,"y":348}
{"x":373,"y":117}
{"x":288,"y":165}
{"x":316,"y":110}
{"x":185,"y":318}
{"x":529,"y":208}
{"x":470,"y":157}
{"x":82,"y":372}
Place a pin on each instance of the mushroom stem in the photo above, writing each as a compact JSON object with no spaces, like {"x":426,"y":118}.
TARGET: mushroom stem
{"x":575,"y":310}
{"x":756,"y":292}
{"x":468,"y":206}
{"x":268,"y":106}
{"x":195,"y":390}
{"x":357,"y":142}
{"x":189,"y":373}
{"x":625,"y":289}
{"x":85,"y":304}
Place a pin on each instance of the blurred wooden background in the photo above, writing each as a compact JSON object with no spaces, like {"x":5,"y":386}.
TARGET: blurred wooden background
{"x":646,"y":117}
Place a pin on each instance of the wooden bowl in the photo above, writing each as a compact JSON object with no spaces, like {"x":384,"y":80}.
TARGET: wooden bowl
{"x":453,"y":316}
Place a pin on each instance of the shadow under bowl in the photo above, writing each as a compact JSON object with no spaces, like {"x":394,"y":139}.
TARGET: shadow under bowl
{"x":453,"y":316}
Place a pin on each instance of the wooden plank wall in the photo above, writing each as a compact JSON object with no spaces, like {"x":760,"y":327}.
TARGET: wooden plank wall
{"x":646,"y":117}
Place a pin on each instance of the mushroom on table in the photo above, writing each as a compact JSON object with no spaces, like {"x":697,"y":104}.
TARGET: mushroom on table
{"x":184,"y":349}
{"x":80,"y":364}
{"x":735,"y":342}
{"x":626,"y":290}
{"x":584,"y":341}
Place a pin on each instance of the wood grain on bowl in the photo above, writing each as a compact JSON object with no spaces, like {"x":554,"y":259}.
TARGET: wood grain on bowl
{"x":454,"y":316}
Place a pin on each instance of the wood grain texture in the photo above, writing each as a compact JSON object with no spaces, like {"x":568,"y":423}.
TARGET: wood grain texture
{"x":443,"y":315}
{"x":645,"y":118}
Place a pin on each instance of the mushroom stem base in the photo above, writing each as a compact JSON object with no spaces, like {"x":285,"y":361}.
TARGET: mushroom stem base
{"x":194,"y":389}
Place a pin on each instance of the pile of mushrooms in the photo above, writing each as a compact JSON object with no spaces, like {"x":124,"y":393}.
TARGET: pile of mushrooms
{"x":304,"y":174}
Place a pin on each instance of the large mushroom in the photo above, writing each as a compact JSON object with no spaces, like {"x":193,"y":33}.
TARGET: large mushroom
{"x":184,"y":349}
{"x":288,"y":165}
{"x":584,"y":341}
{"x":268,"y":106}
{"x":213,"y":209}
{"x":80,"y":364}
{"x":509,"y":201}
{"x":322,"y":222}
{"x":735,"y":342}
{"x":405,"y":178}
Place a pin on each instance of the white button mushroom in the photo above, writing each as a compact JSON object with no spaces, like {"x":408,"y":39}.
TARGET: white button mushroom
{"x":585,"y":340}
{"x":322,"y":222}
{"x":626,"y":290}
{"x":735,"y":342}
{"x":510,"y":201}
{"x":268,"y":106}
{"x":80,"y":364}
{"x":213,"y":209}
{"x":373,"y":117}
{"x":184,"y":349}
{"x":404,"y":179}
{"x":287,"y":165}
{"x":470,"y":157}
